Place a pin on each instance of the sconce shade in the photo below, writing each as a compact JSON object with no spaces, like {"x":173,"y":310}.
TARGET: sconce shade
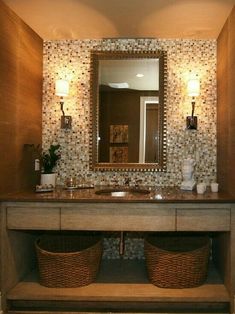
{"x":193,"y":87}
{"x":62,"y":88}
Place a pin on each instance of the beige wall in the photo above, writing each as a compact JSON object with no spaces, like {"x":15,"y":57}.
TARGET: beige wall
{"x":21,"y":92}
{"x":226,"y":105}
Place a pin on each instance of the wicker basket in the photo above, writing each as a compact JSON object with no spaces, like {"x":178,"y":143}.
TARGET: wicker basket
{"x":68,"y":260}
{"x":177,"y":261}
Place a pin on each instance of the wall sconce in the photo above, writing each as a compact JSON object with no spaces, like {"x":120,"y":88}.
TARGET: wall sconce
{"x":193,"y":89}
{"x":62,"y":90}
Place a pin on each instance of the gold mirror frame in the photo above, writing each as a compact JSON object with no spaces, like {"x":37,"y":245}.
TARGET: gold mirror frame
{"x":96,"y":56}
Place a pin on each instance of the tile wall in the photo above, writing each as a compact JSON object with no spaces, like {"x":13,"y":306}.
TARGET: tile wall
{"x":70,"y":59}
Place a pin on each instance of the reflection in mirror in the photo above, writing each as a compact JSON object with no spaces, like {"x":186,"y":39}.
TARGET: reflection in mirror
{"x":127,"y":111}
{"x":149,"y":130}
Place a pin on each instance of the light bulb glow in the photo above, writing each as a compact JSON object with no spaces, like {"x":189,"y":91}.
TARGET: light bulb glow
{"x":193,"y":87}
{"x":62,"y":88}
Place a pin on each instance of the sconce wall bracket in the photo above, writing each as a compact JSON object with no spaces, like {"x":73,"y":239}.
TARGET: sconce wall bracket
{"x":193,"y":91}
{"x":66,"y":122}
{"x":191,"y":123}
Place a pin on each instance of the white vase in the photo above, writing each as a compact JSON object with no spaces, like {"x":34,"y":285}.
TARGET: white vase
{"x":48,"y":178}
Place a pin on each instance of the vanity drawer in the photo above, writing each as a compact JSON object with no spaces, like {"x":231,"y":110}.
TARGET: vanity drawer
{"x":203,"y":219}
{"x":117,"y":217}
{"x":33,"y":218}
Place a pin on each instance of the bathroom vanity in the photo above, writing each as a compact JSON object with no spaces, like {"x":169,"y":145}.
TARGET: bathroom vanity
{"x":121,"y":285}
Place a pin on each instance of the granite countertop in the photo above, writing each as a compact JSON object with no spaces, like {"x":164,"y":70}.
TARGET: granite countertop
{"x":156,"y":195}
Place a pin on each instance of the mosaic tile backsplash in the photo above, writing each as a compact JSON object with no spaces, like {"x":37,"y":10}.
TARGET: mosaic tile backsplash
{"x":70,"y":59}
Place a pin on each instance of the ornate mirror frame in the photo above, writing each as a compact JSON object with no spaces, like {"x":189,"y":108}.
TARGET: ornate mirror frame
{"x":96,"y":56}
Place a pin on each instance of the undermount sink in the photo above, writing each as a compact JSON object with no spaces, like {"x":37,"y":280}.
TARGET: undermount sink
{"x":122,"y":192}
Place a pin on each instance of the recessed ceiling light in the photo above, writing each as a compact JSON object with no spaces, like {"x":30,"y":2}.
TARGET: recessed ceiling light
{"x":139,"y":74}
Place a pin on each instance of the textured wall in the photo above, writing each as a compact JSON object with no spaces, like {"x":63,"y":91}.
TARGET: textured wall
{"x":70,"y":59}
{"x":226,"y":104}
{"x":21,"y":100}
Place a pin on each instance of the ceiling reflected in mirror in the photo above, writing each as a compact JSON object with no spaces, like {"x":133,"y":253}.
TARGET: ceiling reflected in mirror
{"x":133,"y":74}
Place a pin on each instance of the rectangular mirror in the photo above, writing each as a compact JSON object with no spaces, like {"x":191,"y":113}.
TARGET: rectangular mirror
{"x":128,"y":116}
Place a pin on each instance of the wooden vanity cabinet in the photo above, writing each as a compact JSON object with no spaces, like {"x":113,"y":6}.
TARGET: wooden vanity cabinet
{"x":203,"y":219}
{"x":31,"y":218}
{"x":23,"y":222}
{"x":118,"y":217}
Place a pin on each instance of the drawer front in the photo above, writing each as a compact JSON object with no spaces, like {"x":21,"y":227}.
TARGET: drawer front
{"x":203,"y":220}
{"x":117,"y":218}
{"x":33,"y":218}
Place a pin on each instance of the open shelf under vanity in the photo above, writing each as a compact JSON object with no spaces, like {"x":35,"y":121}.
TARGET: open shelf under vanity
{"x":122,"y":284}
{"x":118,"y":281}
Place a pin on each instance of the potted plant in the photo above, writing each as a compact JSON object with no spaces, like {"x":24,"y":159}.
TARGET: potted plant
{"x":48,"y":162}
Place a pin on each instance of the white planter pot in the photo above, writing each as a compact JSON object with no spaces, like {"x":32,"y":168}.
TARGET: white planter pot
{"x":48,"y":178}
